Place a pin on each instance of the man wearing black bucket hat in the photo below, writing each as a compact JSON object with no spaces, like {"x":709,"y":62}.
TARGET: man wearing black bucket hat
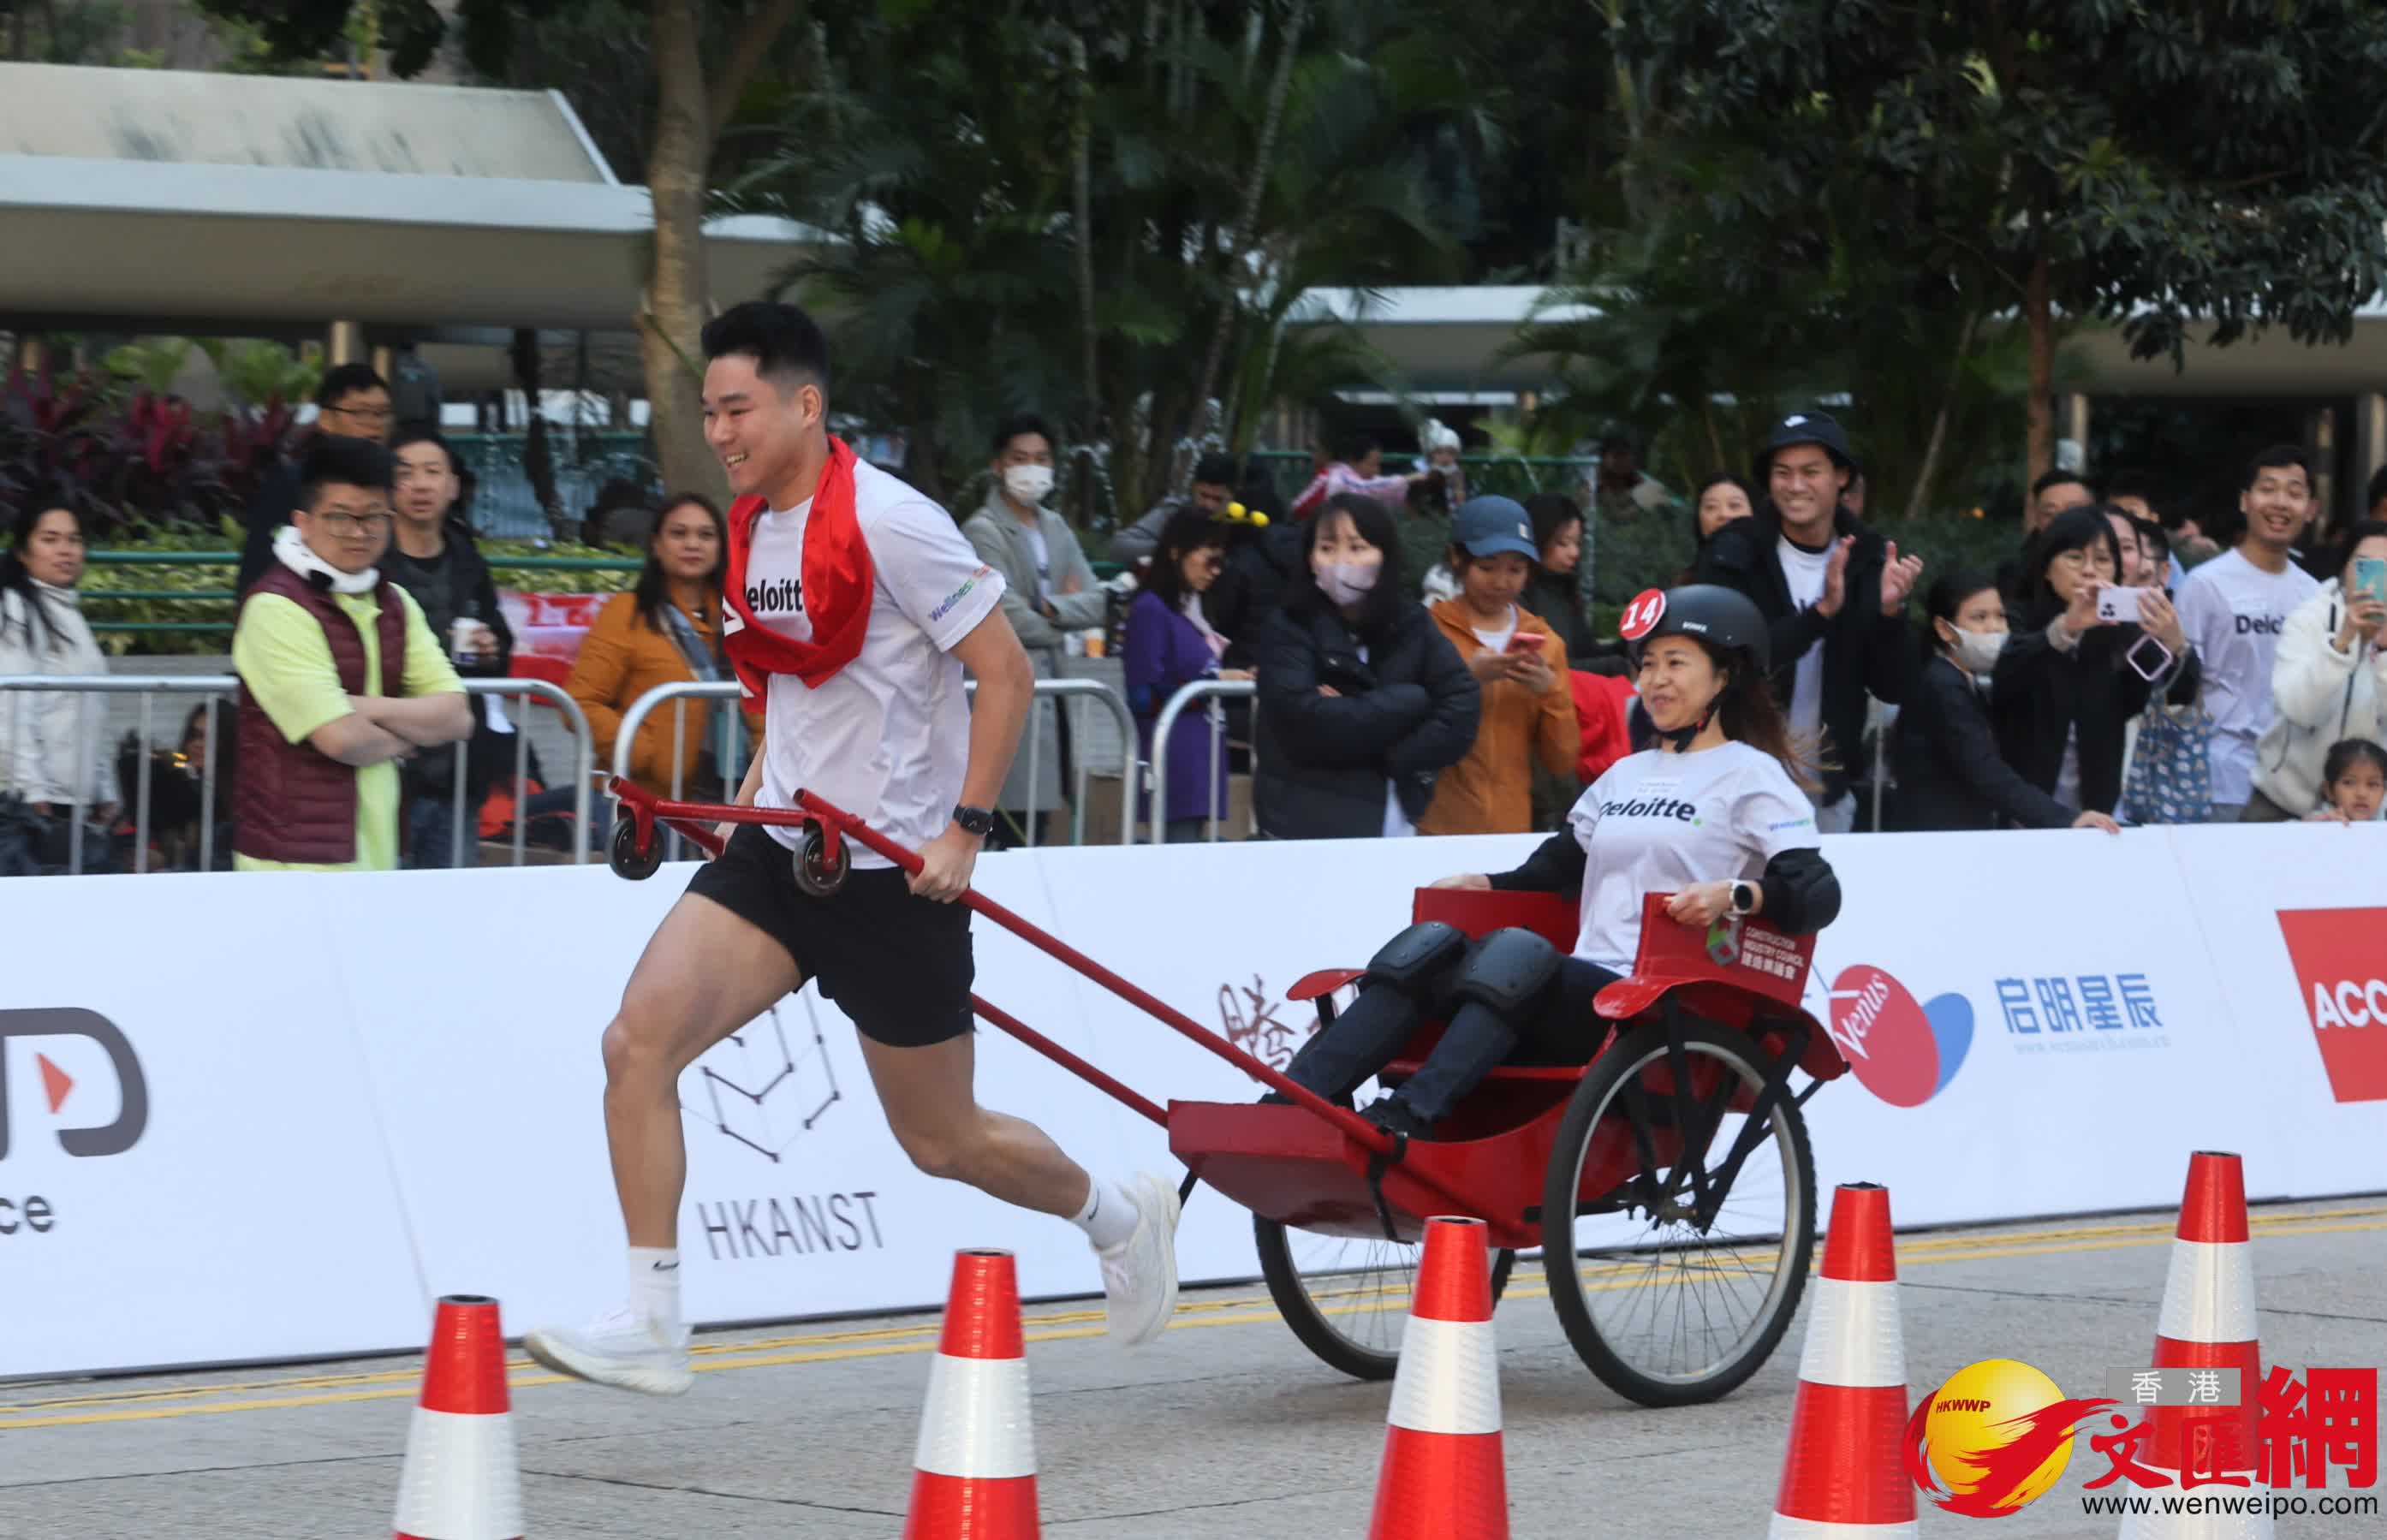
{"x":1833,"y":593}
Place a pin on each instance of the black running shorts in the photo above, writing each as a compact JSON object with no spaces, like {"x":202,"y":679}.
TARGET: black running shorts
{"x":899,"y":965}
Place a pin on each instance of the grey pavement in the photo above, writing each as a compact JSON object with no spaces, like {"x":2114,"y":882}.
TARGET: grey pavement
{"x":1223,"y":1428}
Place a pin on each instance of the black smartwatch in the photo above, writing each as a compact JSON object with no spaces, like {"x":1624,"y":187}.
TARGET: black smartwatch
{"x":975,"y":820}
{"x":1744,"y":898}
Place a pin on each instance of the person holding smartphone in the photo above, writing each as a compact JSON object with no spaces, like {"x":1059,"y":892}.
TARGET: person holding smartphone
{"x":1518,"y":662}
{"x":2075,"y":670}
{"x":2329,"y":680}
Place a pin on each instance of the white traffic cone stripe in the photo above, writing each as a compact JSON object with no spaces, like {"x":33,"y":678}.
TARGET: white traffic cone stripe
{"x":975,"y":1423}
{"x":2155,"y":1524}
{"x":2209,"y":1293}
{"x":1853,"y":1337}
{"x":1449,"y":1378}
{"x":1787,"y":1528}
{"x":460,"y":1481}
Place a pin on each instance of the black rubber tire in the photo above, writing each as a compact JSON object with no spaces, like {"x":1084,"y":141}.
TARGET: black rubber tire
{"x":622,"y":851}
{"x":820,"y":879}
{"x":1316,"y":1331}
{"x":1559,"y":1253}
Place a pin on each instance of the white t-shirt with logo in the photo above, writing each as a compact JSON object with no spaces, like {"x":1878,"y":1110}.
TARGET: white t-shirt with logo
{"x":1803,"y":571}
{"x":1660,"y":822}
{"x":887,"y":738}
{"x":2233,"y":612}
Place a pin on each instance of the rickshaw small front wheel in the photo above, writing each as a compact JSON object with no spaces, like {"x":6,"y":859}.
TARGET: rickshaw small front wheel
{"x":623,"y":855}
{"x":815,"y":873}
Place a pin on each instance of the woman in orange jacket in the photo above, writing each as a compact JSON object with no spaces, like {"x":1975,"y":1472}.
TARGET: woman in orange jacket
{"x":664,"y":630}
{"x":1528,"y":712}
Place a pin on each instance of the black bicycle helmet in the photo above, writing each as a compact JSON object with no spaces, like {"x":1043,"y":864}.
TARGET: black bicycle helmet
{"x":1704,"y":611}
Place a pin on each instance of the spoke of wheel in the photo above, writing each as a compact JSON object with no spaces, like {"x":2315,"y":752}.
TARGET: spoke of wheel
{"x":1715,"y":1290}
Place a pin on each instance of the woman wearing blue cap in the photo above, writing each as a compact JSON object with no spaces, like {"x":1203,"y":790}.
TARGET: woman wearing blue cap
{"x":1518,"y":662}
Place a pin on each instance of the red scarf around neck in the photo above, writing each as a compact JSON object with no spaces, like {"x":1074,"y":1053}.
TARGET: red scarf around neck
{"x":836,"y":579}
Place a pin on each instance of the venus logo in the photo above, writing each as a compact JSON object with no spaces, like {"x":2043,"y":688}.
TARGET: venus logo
{"x":1903,"y":1052}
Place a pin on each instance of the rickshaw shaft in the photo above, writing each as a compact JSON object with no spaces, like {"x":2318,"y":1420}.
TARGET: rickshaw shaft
{"x":1349,"y":1123}
{"x":1127,"y":1095}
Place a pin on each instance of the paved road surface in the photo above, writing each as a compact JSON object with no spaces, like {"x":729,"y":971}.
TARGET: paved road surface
{"x":1225,"y":1427}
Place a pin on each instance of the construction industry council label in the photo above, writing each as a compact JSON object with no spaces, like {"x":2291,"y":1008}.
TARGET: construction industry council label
{"x":751,"y":1229}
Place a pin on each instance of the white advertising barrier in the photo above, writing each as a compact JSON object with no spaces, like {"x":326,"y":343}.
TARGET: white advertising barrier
{"x":2033,"y":1025}
{"x":2298,"y":912}
{"x":489,"y":1072}
{"x":362,"y":1092}
{"x":190,"y":1166}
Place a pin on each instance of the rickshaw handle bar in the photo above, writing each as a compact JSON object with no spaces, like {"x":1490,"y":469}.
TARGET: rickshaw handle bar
{"x":1350,"y":1123}
{"x":685,"y":816}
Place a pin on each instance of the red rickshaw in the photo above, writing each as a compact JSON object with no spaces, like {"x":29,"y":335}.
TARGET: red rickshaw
{"x":1669,"y":1179}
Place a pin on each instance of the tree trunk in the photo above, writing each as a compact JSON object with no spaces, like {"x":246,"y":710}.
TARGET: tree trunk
{"x":538,"y":447}
{"x":1262,"y":159}
{"x":1081,"y":132}
{"x":1939,"y":439}
{"x":920,"y":463}
{"x":668,"y":337}
{"x":2042,"y":371}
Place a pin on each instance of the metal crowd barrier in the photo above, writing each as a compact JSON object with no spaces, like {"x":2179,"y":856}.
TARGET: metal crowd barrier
{"x":1057,"y":690}
{"x":1214,"y":690}
{"x":226,"y":687}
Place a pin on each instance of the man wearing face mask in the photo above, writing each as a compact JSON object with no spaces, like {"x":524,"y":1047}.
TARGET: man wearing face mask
{"x":1049,"y":591}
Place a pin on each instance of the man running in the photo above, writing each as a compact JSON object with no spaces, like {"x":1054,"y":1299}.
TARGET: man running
{"x":854,"y":606}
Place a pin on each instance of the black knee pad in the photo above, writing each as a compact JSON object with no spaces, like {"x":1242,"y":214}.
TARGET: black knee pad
{"x":1508,"y":971}
{"x":1420,"y":961}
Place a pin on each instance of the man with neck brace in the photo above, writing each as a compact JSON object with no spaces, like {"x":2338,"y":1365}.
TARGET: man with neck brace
{"x":1049,"y":592}
{"x":340,"y":679}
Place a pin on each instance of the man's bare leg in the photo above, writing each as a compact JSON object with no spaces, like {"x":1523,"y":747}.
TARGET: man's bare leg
{"x":705,"y":973}
{"x":932,"y":1104}
{"x":930,"y":1100}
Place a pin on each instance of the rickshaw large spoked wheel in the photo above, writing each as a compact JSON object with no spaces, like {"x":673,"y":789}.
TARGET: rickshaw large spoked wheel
{"x":1676,"y":1281}
{"x":1349,"y":1299}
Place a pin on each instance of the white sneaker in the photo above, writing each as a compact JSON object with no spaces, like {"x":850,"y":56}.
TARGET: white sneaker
{"x":622,"y":1349}
{"x":1140,"y":1273}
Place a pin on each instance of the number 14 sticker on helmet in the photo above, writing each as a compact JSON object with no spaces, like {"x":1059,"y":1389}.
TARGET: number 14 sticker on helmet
{"x":1642,"y":615}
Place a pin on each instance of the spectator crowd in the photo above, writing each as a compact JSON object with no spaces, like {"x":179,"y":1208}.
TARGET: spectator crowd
{"x":2118,"y":667}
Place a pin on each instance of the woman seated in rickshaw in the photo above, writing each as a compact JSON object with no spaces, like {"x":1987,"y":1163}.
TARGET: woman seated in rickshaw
{"x":1714,"y":816}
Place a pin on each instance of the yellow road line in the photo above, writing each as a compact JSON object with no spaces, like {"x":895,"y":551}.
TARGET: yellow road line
{"x":1243,"y":1309}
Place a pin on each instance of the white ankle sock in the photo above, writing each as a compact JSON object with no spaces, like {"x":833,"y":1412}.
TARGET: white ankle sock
{"x":654,"y":1284}
{"x":1109,"y":1216}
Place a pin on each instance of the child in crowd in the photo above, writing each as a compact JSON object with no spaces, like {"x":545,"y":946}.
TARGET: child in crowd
{"x":2354,"y":782}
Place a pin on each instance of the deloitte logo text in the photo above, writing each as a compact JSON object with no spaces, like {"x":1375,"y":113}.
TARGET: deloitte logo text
{"x":1903,"y":1052}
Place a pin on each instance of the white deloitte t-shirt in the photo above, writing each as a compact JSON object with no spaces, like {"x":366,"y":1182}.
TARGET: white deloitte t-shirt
{"x":887,"y":739}
{"x":2233,"y":612}
{"x":1660,"y":822}
{"x":1803,"y":571}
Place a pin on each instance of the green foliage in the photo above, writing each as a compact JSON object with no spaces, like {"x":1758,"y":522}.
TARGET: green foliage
{"x":207,"y":584}
{"x":62,"y":31}
{"x":951,"y":145}
{"x":2198,"y":160}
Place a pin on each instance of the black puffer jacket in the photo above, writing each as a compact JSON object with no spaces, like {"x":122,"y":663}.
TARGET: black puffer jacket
{"x":1260,"y":571}
{"x":2043,"y":695}
{"x":1864,"y":651}
{"x":1402,"y":715}
{"x":1950,"y":772}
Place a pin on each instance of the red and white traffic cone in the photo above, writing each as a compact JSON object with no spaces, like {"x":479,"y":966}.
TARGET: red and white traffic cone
{"x":460,"y":1481}
{"x":2208,"y":1322}
{"x":1442,"y":1476}
{"x":974,"y":1472}
{"x":1841,"y":1475}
